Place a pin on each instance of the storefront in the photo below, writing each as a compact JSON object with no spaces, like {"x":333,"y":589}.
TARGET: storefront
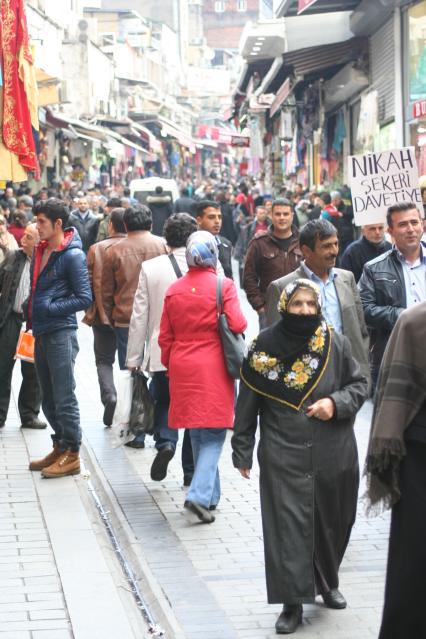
{"x":415,"y":80}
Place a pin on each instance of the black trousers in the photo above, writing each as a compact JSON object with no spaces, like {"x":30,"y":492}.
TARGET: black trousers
{"x":405,"y":594}
{"x":29,"y":399}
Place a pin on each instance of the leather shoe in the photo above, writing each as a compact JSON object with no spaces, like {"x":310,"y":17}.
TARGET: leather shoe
{"x":109,"y":411}
{"x":334,"y":599}
{"x":289,"y":619}
{"x":135,"y":444}
{"x":160,"y":463}
{"x":187,"y":479}
{"x":36,"y":424}
{"x":202,"y":513}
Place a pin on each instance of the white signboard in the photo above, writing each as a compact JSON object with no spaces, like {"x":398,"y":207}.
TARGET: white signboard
{"x":379,"y":180}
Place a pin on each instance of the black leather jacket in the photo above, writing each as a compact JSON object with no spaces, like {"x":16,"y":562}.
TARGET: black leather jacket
{"x":383,"y":297}
{"x":10,"y":276}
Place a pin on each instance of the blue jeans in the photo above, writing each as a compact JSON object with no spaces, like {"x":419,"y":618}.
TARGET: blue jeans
{"x":207,"y":444}
{"x":55,"y":355}
{"x":122,"y":337}
{"x":165,"y":436}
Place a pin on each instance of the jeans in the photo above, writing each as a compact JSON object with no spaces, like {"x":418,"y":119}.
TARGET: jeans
{"x":55,"y":355}
{"x":105,"y":347}
{"x":165,"y":436}
{"x":207,"y":444}
{"x":122,"y":336}
{"x":29,"y":399}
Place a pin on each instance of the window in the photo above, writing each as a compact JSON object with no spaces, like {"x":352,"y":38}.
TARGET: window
{"x":219,"y":6}
{"x":241,"y":5}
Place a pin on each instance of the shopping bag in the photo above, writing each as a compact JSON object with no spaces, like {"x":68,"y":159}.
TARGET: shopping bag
{"x":142,"y":413}
{"x":120,"y":429}
{"x":25,"y":347}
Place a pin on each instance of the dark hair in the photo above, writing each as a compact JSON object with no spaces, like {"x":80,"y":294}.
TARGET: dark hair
{"x":401,"y":207}
{"x":54,"y":209}
{"x":205,"y":204}
{"x":326,"y":197}
{"x":281,"y":201}
{"x":116,"y":219}
{"x":178,"y":228}
{"x":20,"y":219}
{"x":126,"y":191}
{"x":184,"y":192}
{"x":316,"y":230}
{"x":114,"y":203}
{"x":138,"y":218}
{"x":159,"y":189}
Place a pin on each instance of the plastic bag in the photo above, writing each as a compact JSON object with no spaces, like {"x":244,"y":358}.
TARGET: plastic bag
{"x":142,"y":412}
{"x":120,"y":429}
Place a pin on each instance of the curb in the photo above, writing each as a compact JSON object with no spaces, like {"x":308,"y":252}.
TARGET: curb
{"x":155,"y":598}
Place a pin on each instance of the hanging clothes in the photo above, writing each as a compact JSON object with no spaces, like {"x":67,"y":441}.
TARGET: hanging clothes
{"x":10,"y":167}
{"x":19,"y":85}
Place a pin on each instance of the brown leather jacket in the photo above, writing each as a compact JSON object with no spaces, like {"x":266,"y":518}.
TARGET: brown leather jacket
{"x":95,"y":314}
{"x":265,"y":262}
{"x":120,"y":274}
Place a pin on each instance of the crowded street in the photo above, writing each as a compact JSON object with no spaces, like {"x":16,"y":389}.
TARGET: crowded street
{"x":212,"y":319}
{"x":211,"y":580}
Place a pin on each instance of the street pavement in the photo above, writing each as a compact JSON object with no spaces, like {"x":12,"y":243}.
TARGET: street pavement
{"x":201,"y":581}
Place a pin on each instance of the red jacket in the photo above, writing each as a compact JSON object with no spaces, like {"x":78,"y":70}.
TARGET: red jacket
{"x":201,"y":391}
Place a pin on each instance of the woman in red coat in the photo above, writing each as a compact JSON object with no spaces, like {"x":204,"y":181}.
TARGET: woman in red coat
{"x":201,"y":390}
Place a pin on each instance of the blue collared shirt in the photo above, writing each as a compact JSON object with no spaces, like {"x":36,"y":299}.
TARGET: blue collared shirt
{"x":330,"y":301}
{"x":414,"y":277}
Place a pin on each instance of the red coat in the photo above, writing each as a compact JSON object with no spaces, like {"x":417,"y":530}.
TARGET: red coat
{"x":201,"y":390}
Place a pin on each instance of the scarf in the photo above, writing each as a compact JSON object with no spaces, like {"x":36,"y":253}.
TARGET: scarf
{"x":202,"y":250}
{"x":287,"y":360}
{"x":400,"y":393}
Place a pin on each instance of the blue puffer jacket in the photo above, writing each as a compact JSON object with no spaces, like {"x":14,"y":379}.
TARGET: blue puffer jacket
{"x":61,"y":289}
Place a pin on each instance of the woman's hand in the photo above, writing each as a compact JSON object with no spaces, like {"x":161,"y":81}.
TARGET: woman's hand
{"x":244,"y":472}
{"x":322,"y":409}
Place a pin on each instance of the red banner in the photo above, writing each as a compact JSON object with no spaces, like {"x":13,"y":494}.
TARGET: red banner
{"x":304,"y":4}
{"x":419,"y":109}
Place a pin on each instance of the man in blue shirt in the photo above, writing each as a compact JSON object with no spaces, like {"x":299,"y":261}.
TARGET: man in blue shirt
{"x":341,"y":304}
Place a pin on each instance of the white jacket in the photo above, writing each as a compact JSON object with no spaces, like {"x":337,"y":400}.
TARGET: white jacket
{"x":155,"y":277}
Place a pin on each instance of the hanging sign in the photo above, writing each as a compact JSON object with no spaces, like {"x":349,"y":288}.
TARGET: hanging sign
{"x":304,"y":4}
{"x":379,"y":180}
{"x":419,"y":109}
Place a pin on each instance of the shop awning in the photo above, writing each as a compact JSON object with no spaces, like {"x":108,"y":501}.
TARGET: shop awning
{"x":313,"y":59}
{"x":168,"y":129}
{"x":293,"y":7}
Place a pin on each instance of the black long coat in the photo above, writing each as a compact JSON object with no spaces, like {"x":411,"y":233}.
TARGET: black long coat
{"x":309,"y":478}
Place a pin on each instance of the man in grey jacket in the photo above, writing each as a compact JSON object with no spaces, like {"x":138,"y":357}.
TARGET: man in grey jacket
{"x":143,"y":351}
{"x":341,"y":303}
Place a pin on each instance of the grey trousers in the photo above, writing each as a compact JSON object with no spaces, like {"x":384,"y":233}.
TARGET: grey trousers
{"x":105,"y":347}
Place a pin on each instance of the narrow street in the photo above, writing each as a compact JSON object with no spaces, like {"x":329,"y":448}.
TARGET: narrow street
{"x":198,"y":581}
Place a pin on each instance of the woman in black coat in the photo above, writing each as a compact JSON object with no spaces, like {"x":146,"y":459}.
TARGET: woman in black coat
{"x":300,"y":378}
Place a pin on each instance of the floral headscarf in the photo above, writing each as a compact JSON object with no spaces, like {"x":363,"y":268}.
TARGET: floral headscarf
{"x":202,"y":250}
{"x":287,"y":360}
{"x":292,"y":288}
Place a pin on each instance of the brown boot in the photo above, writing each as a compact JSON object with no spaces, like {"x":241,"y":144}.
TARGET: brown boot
{"x":39,"y":464}
{"x":67,"y":464}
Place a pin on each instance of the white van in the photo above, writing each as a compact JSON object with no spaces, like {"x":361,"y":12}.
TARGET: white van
{"x":143,"y":188}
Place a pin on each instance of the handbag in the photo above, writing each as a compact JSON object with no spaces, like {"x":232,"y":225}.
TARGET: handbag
{"x":232,"y":343}
{"x":141,"y":419}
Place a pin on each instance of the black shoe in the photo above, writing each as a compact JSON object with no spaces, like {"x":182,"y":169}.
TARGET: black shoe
{"x":202,"y":513}
{"x":3,"y":423}
{"x":187,"y":479}
{"x":109,"y":411}
{"x":36,"y":424}
{"x":135,"y":444}
{"x":289,"y":619}
{"x":213,"y":507}
{"x":160,"y":463}
{"x":334,"y":599}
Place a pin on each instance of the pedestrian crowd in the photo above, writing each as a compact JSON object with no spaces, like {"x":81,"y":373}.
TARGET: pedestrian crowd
{"x":341,"y":319}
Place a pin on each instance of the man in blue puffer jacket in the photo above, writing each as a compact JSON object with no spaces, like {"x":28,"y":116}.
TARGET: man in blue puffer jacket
{"x":59,"y":288}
